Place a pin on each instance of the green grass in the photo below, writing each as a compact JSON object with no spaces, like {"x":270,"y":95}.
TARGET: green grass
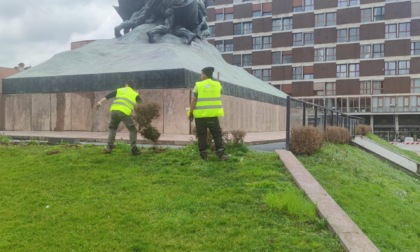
{"x":75,"y":198}
{"x":383,"y":201}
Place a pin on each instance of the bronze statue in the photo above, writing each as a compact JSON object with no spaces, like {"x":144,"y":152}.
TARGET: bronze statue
{"x":182,"y":18}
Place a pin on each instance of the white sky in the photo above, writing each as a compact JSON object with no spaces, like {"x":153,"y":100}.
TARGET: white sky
{"x":32,"y":31}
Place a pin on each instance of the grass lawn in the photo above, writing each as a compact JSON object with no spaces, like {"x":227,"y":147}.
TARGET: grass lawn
{"x":383,"y":201}
{"x":75,"y":198}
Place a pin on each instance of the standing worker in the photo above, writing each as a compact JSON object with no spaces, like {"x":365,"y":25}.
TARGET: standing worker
{"x":125,"y":100}
{"x":206,"y":107}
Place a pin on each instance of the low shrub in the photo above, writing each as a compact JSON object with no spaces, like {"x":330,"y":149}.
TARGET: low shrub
{"x":337,"y":135}
{"x":306,"y":140}
{"x":363,"y":130}
{"x":238,"y":136}
{"x":144,"y":114}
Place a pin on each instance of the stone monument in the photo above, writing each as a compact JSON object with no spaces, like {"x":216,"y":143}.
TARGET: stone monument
{"x":59,"y":94}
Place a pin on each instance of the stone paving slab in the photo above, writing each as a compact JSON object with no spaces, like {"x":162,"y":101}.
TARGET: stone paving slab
{"x":351,"y":236}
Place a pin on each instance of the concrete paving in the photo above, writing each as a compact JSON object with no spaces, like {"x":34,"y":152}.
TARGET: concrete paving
{"x":351,"y":236}
{"x":401,"y":161}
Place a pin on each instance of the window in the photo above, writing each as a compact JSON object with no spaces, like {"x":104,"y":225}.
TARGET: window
{"x":228,"y":45}
{"x":345,"y":3}
{"x":330,"y":54}
{"x":353,"y":34}
{"x":342,"y":35}
{"x":415,"y":48}
{"x":219,"y":45}
{"x":397,"y":67}
{"x":309,"y":5}
{"x":324,"y":54}
{"x":378,"y":50}
{"x":331,"y":18}
{"x":353,"y":70}
{"x":237,"y":29}
{"x":341,"y":71}
{"x":247,"y":27}
{"x":297,"y":39}
{"x":237,"y":60}
{"x":263,"y":9}
{"x":287,"y":57}
{"x":371,"y":51}
{"x":287,"y":24}
{"x":220,"y":16}
{"x":263,"y":74}
{"x":266,"y":42}
{"x":330,"y":88}
{"x":211,"y":30}
{"x":319,"y":54}
{"x":246,"y":59}
{"x":308,"y":72}
{"x":308,"y":38}
{"x":403,"y":67}
{"x":400,"y":30}
{"x":297,"y":6}
{"x":378,"y":87}
{"x":297,"y":73}
{"x":415,"y":86}
{"x":320,"y":20}
{"x":378,"y":13}
{"x":257,"y":43}
{"x":390,"y":68}
{"x":365,"y":87}
{"x":276,"y":24}
{"x":403,"y":30}
{"x":276,"y":58}
{"x":390,"y":31}
{"x":365,"y":52}
{"x":366,"y":15}
{"x":228,"y":16}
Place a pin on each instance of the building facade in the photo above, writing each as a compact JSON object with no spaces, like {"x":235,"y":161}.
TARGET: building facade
{"x":360,"y":57}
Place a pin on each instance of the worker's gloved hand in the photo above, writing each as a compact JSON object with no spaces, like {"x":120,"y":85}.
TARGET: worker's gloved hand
{"x":98,"y":105}
{"x":191,"y":117}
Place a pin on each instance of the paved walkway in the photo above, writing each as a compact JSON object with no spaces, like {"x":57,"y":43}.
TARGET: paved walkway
{"x":165,"y":139}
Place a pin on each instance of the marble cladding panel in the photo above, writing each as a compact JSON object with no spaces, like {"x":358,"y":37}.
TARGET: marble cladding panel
{"x":102,"y":116}
{"x":2,"y":111}
{"x":41,"y":112}
{"x":252,"y":116}
{"x":175,"y":103}
{"x":18,"y":112}
{"x":61,"y":112}
{"x":158,"y":96}
{"x":82,"y":106}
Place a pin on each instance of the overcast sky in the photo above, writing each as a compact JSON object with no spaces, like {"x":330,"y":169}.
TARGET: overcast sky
{"x":32,"y":31}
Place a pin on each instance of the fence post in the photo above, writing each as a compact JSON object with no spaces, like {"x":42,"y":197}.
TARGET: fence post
{"x":288,"y":122}
{"x":316,"y":117}
{"x":304,"y":114}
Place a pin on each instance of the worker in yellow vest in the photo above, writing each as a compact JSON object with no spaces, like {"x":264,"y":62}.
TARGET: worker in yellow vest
{"x":125,"y":100}
{"x":206,"y":107}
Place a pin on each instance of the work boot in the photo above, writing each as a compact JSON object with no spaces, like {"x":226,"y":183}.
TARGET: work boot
{"x":108,"y":149}
{"x":221,"y":155}
{"x":203,"y":155}
{"x":135,"y":151}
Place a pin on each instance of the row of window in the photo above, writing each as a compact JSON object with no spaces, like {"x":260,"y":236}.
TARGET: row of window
{"x":320,"y":54}
{"x":369,"y":87}
{"x":350,"y":70}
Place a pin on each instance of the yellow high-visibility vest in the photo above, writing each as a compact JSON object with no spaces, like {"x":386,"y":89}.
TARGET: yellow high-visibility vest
{"x":209,"y":102}
{"x":124,"y":100}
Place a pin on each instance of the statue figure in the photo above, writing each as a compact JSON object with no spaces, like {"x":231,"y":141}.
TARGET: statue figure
{"x":182,"y":18}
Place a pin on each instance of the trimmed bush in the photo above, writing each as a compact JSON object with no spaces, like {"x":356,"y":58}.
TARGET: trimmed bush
{"x":144,"y":114}
{"x":337,"y":135}
{"x":363,"y":130}
{"x":238,"y":136}
{"x":306,"y":140}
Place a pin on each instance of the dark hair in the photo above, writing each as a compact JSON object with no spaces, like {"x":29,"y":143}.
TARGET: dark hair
{"x":130,"y":83}
{"x":208,"y":71}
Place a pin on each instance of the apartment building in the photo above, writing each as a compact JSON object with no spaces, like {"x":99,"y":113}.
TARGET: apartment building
{"x":361,"y":57}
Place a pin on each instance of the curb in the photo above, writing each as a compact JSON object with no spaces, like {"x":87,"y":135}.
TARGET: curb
{"x":351,"y":236}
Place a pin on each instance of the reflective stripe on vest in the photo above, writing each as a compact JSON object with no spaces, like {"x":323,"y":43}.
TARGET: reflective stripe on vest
{"x":124,"y":100}
{"x":209,"y":102}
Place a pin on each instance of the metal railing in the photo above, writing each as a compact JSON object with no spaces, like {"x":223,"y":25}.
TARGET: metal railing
{"x":301,"y":113}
